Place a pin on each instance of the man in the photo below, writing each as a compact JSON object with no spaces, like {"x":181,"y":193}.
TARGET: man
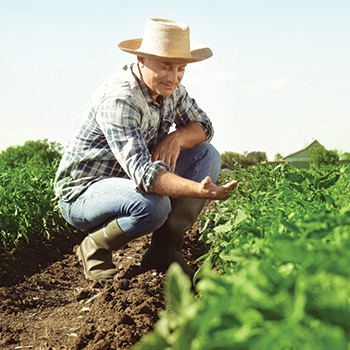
{"x":123,"y":174}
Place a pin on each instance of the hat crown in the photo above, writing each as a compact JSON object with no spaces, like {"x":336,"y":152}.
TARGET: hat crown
{"x":166,"y":38}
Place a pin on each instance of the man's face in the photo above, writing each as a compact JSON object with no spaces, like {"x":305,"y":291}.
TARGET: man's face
{"x":161,"y":77}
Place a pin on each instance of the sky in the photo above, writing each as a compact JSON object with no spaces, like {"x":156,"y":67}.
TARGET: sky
{"x":279,"y":77}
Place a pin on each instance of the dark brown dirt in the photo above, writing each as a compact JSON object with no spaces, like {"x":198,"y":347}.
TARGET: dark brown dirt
{"x":46,"y":303}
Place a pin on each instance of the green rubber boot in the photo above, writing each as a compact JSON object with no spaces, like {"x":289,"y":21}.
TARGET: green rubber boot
{"x":168,"y":240}
{"x":95,"y":251}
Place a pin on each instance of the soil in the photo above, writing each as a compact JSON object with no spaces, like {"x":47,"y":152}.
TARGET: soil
{"x":46,"y":303}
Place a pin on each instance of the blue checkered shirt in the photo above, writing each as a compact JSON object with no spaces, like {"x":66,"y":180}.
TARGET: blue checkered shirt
{"x":118,"y":131}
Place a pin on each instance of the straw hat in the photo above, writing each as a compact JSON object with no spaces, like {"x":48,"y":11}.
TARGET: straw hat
{"x":167,"y":40}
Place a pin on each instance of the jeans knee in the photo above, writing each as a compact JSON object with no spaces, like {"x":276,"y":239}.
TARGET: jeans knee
{"x":214,"y":156}
{"x":148,"y":216}
{"x":160,"y":212}
{"x":198,"y":162}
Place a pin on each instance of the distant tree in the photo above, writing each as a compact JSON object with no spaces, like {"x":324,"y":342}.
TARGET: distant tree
{"x":256,"y":157}
{"x":345,"y":156}
{"x":278,"y":156}
{"x":40,"y":149}
{"x":230,"y":159}
{"x":320,"y":156}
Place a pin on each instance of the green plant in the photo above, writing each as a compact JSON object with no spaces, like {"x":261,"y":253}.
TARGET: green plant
{"x":40,"y":150}
{"x":320,"y":156}
{"x":281,"y":278}
{"x":229,"y":160}
{"x":27,"y":208}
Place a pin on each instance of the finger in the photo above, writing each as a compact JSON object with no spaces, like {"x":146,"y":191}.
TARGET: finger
{"x":164,"y":157}
{"x":173,"y":164}
{"x":171,"y":159}
{"x":155,"y":156}
{"x":231,"y":185}
{"x":234,"y":183}
{"x":207,"y":181}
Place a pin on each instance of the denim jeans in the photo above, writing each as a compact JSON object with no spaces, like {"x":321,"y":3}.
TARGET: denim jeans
{"x":137,"y":213}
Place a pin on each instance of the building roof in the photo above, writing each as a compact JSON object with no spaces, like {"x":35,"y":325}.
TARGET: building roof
{"x":313,"y":143}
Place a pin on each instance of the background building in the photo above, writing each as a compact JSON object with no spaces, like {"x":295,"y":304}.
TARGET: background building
{"x":301,"y":159}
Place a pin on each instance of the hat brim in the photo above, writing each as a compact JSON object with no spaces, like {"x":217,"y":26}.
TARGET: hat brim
{"x":197,"y":53}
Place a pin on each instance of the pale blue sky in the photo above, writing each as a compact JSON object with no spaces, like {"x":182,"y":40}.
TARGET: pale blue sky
{"x":279,"y":77}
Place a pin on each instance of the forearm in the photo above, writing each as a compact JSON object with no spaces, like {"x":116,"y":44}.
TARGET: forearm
{"x":169,"y":184}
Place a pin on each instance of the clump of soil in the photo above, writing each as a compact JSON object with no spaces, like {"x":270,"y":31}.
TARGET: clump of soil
{"x":46,"y":303}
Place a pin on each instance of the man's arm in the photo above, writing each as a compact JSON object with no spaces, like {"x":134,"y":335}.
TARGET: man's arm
{"x":169,"y":148}
{"x":169,"y":184}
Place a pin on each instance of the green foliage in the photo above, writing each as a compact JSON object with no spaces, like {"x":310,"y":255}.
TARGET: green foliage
{"x":231,"y":159}
{"x":40,"y":150}
{"x":277,"y":274}
{"x":278,"y":156}
{"x":320,"y":156}
{"x":280,"y":202}
{"x":252,"y":158}
{"x":28,"y":208}
{"x":345,"y":156}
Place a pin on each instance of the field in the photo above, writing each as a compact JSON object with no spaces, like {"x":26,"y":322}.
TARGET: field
{"x":46,"y":303}
{"x":280,"y":246}
{"x":274,"y":274}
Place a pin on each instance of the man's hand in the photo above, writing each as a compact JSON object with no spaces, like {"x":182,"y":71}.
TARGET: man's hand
{"x":167,"y":150}
{"x":211,"y":191}
{"x":172,"y":185}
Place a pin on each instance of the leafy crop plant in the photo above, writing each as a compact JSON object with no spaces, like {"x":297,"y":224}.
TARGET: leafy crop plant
{"x":276,"y":275}
{"x":27,"y":206}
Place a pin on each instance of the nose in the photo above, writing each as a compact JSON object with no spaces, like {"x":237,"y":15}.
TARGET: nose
{"x":173,"y":76}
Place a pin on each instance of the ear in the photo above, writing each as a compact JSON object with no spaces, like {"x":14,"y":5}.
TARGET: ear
{"x":141,"y":60}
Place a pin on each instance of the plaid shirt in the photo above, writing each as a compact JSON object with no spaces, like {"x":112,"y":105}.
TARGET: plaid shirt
{"x":118,"y":131}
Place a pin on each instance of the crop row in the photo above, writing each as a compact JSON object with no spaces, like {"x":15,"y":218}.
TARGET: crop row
{"x":277,"y":271}
{"x":27,"y":206}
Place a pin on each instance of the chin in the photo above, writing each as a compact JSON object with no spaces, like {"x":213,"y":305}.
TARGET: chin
{"x":167,"y":92}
